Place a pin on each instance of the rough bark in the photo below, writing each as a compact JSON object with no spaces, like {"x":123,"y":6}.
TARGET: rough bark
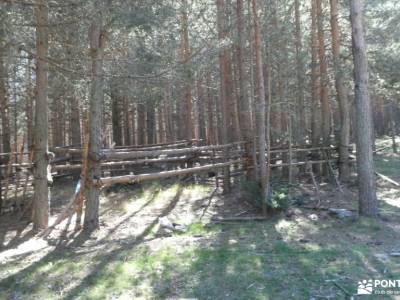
{"x":323,"y":68}
{"x":225,"y":84}
{"x":4,"y":101}
{"x":4,"y":107}
{"x":260,"y":104}
{"x":315,"y":104}
{"x":341,"y":94}
{"x":185,"y":56}
{"x":116,"y":119}
{"x":301,"y":124}
{"x":141,"y":124}
{"x":96,"y":39}
{"x":244,"y":100}
{"x":368,"y":204}
{"x":29,"y":107}
{"x":127,"y":123}
{"x":41,"y":196}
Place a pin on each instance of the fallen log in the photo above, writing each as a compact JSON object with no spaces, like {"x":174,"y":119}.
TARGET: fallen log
{"x":110,"y":155}
{"x":387,"y":179}
{"x":159,"y":144}
{"x":125,"y":163}
{"x":108,"y":181}
{"x":238,"y":219}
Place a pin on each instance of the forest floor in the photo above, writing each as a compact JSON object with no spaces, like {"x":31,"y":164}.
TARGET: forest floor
{"x":298,"y":254}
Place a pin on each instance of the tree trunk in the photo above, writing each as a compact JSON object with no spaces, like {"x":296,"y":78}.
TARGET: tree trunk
{"x":225,"y":84}
{"x":341,"y":92}
{"x":116,"y":119}
{"x":141,"y":124}
{"x":96,"y":38}
{"x":301,"y":123}
{"x":151,"y":124}
{"x":75,"y":120}
{"x":323,"y":67}
{"x":127,"y":123}
{"x":185,"y":54}
{"x":41,"y":197}
{"x":4,"y":101}
{"x":211,"y":128}
{"x":260,"y":105}
{"x":4,"y":108}
{"x":368,"y":204}
{"x":201,"y":103}
{"x":244,"y":104}
{"x":29,"y":107}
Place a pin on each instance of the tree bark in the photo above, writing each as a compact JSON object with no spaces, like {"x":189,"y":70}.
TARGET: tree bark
{"x":185,"y":54}
{"x":368,"y":204}
{"x":127,"y":123}
{"x":116,"y":119}
{"x":244,"y":100}
{"x":315,"y":86}
{"x":225,"y":83}
{"x":301,"y":123}
{"x":260,"y":105}
{"x":4,"y":108}
{"x":141,"y":124}
{"x":341,"y":94}
{"x":323,"y":67}
{"x":41,"y":203}
{"x":96,"y":38}
{"x":4,"y":101}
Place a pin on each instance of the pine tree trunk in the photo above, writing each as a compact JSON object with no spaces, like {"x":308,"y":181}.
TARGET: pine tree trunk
{"x":4,"y":101}
{"x":301,"y":123}
{"x":244,"y":100}
{"x":75,"y":120}
{"x":201,"y":109}
{"x":226,"y":131}
{"x":150,"y":124}
{"x":368,"y":204}
{"x":141,"y":123}
{"x":323,"y":67}
{"x":341,"y":92}
{"x":185,"y":54}
{"x":211,"y":128}
{"x":127,"y":123}
{"x":41,"y":203}
{"x":116,"y":119}
{"x":4,"y":108}
{"x":260,"y":106}
{"x":96,"y":38}
{"x":315,"y":103}
{"x":29,"y":107}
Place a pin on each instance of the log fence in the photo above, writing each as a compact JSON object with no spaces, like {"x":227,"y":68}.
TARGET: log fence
{"x":132,"y":164}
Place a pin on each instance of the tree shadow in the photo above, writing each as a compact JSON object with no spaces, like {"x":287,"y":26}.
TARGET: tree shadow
{"x":293,"y":258}
{"x":8,"y":225}
{"x":65,"y":260}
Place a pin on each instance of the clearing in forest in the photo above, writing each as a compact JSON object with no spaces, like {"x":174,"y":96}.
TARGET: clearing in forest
{"x":299,"y":254}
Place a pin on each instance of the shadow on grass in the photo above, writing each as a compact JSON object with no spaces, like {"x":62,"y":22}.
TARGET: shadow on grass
{"x":278,"y":259}
{"x":57,"y":268}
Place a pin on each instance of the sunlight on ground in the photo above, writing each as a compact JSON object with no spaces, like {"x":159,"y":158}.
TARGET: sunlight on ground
{"x":128,"y":259}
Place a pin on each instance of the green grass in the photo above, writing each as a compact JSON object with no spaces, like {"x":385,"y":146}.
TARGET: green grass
{"x":389,"y":166}
{"x":252,"y":260}
{"x":386,"y":161}
{"x":245,"y":261}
